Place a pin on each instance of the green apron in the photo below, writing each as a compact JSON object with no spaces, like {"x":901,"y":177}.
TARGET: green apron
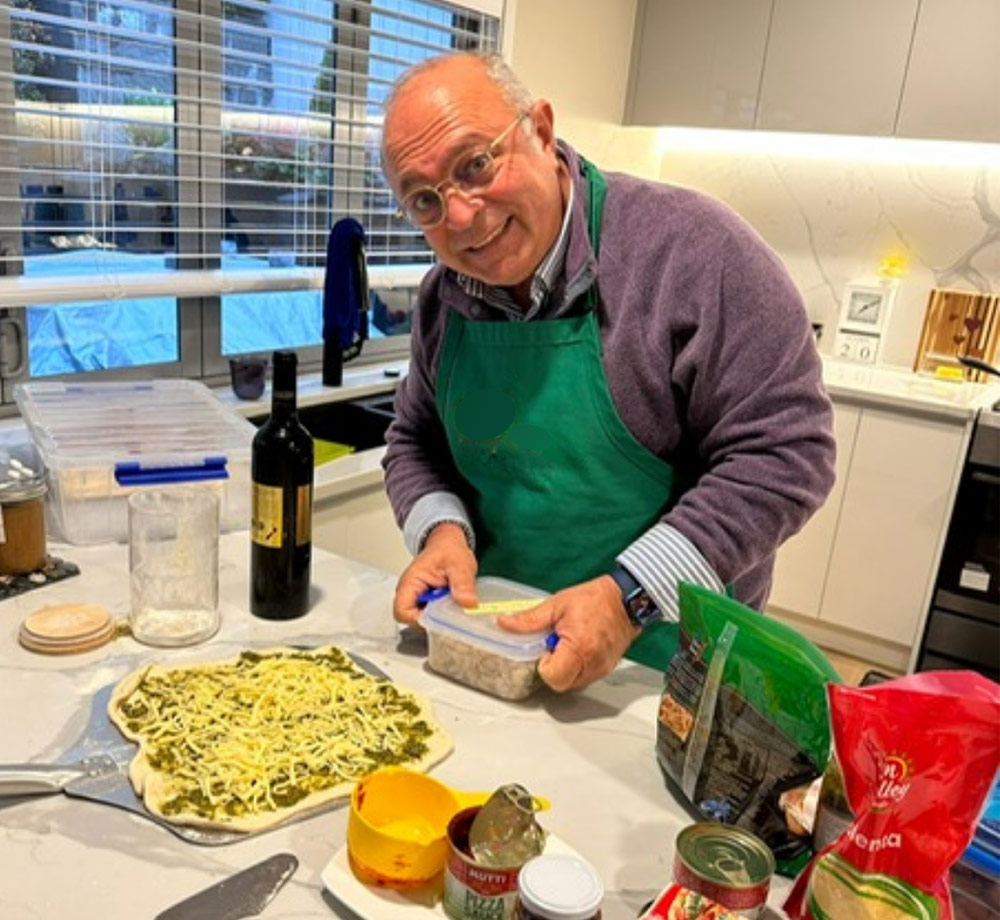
{"x":558,"y":484}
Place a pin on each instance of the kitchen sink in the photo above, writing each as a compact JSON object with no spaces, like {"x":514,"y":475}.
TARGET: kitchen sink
{"x":360,"y":423}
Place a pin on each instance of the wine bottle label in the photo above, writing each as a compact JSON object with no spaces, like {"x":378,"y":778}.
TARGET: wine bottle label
{"x":266,"y":523}
{"x":303,"y":515}
{"x":265,"y":516}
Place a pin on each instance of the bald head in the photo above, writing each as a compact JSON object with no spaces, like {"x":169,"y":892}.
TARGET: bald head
{"x":452,"y":69}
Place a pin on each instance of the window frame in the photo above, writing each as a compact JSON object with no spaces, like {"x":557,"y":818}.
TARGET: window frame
{"x":199,"y":282}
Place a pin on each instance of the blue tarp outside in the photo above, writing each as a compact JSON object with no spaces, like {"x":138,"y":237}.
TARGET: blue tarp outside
{"x":96,"y":335}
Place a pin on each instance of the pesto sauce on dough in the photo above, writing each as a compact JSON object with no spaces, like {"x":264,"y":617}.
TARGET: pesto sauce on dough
{"x":325,"y":722}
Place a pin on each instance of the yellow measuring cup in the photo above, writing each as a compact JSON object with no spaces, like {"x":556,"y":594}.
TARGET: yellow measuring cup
{"x":398,"y":823}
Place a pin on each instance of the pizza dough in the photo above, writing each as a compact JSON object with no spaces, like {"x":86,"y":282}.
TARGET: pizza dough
{"x":251,"y":742}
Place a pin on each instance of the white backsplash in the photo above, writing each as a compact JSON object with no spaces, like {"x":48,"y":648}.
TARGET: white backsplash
{"x":833,"y":216}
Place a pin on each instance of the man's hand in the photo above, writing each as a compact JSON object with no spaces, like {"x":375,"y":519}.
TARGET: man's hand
{"x":445,"y":560}
{"x":593,"y":631}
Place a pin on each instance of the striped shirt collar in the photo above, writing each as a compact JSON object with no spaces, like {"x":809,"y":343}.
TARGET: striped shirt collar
{"x":541,"y":284}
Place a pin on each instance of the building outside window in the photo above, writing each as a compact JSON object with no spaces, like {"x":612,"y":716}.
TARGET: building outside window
{"x":170,"y":171}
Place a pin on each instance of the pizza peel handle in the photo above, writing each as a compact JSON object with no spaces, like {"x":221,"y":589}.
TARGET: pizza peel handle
{"x":17,"y":779}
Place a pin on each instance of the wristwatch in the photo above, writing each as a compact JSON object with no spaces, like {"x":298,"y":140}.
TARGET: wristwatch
{"x":639,"y":606}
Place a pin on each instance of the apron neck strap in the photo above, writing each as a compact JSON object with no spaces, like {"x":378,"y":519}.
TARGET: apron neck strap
{"x":597,"y":189}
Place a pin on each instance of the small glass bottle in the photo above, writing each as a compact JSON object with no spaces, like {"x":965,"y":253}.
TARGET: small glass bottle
{"x":833,"y":813}
{"x":558,"y":887}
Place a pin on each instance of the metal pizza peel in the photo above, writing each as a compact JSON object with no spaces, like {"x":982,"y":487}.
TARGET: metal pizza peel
{"x":96,"y":766}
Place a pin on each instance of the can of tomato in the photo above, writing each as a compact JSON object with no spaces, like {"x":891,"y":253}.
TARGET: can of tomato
{"x":726,"y":864}
{"x":471,"y":890}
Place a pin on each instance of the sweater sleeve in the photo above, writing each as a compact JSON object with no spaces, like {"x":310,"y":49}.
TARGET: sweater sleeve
{"x":757,"y":413}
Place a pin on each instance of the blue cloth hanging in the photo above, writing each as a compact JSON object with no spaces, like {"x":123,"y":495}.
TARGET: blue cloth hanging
{"x":345,"y":297}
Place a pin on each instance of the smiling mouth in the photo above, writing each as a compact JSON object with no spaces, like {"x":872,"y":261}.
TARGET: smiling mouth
{"x":486,"y":242}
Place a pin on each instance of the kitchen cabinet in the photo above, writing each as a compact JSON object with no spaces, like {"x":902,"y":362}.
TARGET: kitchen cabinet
{"x":851,"y":67}
{"x":893,"y":516}
{"x":356,"y":521}
{"x":801,"y":566}
{"x":859,"y":574}
{"x":697,"y":63}
{"x":835,"y":67}
{"x":952,"y":85}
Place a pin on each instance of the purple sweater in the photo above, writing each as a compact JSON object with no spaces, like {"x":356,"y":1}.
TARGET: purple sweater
{"x":710,"y":361}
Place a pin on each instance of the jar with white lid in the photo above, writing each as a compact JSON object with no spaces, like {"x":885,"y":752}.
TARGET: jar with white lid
{"x":558,"y":887}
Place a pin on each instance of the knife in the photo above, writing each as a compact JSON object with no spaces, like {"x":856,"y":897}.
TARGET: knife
{"x":244,"y":894}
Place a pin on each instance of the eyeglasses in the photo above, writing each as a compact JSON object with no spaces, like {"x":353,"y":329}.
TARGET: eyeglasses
{"x":471,"y":174}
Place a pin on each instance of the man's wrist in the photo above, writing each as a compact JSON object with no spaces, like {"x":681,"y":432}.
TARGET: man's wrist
{"x":640,"y":608}
{"x":448,"y":529}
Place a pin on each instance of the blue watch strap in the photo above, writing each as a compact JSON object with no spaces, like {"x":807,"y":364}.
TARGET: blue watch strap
{"x":640,"y":608}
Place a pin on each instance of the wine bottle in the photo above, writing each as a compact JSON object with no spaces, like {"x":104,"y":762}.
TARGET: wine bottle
{"x":281,"y":470}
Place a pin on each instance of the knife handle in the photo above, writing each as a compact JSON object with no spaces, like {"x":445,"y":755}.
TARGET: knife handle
{"x":36,"y":779}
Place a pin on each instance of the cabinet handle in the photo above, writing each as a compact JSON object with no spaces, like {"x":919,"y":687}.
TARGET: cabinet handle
{"x":990,"y":479}
{"x":18,"y":366}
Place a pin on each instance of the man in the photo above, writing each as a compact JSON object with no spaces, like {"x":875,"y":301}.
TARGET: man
{"x":613,"y":386}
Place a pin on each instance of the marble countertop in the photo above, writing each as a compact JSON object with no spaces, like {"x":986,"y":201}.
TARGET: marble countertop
{"x":899,"y":388}
{"x":591,"y":753}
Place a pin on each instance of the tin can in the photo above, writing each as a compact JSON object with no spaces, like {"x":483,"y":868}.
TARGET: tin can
{"x":472,"y":891}
{"x":727,"y":864}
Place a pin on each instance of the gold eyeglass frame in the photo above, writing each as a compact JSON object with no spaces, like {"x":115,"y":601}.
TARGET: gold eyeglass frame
{"x":490,"y":150}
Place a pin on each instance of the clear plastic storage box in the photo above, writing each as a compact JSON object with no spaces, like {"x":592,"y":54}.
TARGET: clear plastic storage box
{"x":473,"y":649}
{"x":101,"y":441}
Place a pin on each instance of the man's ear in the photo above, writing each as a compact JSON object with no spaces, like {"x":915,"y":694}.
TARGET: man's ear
{"x":543,"y":122}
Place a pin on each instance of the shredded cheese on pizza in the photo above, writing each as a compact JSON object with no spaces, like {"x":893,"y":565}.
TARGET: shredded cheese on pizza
{"x":267,"y":730}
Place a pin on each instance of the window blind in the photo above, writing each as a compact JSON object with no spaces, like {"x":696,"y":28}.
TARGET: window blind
{"x":150,"y":137}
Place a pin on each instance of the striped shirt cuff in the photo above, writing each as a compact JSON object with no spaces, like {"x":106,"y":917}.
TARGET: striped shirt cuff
{"x":432,"y":509}
{"x":662,"y":558}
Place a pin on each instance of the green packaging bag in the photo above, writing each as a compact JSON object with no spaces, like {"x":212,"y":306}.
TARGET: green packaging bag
{"x":743,"y":719}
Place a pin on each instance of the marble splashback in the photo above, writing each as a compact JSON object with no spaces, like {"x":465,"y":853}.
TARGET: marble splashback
{"x":834,"y":211}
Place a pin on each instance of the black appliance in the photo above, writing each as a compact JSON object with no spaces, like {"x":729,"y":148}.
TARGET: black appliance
{"x":963,"y":625}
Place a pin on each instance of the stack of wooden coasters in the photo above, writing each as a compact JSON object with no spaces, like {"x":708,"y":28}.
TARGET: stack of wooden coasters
{"x":63,"y":629}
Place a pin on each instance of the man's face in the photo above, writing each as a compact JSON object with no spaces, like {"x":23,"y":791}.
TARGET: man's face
{"x":500,"y":234}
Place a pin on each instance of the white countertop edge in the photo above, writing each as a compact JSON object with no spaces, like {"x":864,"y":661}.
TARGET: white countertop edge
{"x":903,"y":389}
{"x":347,"y":474}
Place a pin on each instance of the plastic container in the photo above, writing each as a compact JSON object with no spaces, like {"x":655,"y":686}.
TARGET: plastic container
{"x":103,"y":441}
{"x":975,"y":885}
{"x":975,"y":878}
{"x":472,"y":649}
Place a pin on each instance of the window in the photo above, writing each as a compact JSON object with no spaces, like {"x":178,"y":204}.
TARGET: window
{"x":170,"y":170}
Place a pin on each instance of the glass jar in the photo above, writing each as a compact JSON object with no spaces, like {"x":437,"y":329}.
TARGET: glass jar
{"x":22,"y":518}
{"x":558,"y":887}
{"x":174,"y":565}
{"x":833,"y":813}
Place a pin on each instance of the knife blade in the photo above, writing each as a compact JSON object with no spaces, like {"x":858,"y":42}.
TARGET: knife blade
{"x":244,"y":894}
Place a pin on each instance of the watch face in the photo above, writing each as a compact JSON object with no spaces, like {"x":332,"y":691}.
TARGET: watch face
{"x":641,"y":609}
{"x":864,"y":307}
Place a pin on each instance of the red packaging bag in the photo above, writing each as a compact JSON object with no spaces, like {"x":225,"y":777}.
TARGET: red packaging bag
{"x":918,"y":757}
